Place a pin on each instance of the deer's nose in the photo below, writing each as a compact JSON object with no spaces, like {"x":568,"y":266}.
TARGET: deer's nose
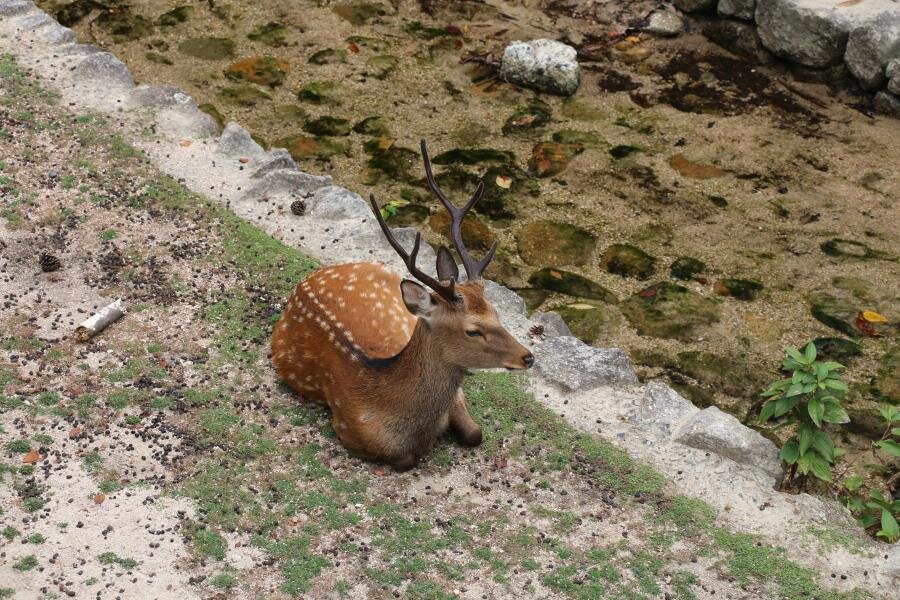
{"x":528,"y":360}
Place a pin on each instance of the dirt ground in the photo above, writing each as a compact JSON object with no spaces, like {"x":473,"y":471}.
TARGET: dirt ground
{"x":162,"y":459}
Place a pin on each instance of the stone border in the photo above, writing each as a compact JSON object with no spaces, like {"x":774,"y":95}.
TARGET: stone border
{"x":707,"y":454}
{"x":863,"y":37}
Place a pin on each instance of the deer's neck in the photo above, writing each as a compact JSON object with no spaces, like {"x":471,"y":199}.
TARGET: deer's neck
{"x":430,"y":383}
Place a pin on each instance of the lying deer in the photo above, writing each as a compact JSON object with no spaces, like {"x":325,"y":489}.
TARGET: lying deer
{"x":388,"y":356}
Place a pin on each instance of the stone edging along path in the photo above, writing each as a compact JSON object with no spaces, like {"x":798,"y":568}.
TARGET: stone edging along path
{"x":706,"y":454}
{"x":862,"y":36}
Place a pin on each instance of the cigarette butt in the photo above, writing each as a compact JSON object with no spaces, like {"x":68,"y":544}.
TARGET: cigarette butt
{"x":100,"y":321}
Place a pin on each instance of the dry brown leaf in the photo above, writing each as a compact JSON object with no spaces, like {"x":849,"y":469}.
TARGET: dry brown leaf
{"x":185,"y":143}
{"x":99,"y":498}
{"x":694,"y":170}
{"x":74,"y":432}
{"x":32,"y":457}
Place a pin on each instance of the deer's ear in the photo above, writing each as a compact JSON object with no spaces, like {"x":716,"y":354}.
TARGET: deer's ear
{"x":417,"y":298}
{"x":446,"y":265}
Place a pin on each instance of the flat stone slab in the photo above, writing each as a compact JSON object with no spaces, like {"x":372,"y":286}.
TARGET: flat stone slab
{"x":15,"y":7}
{"x":663,"y":408}
{"x":569,"y":363}
{"x":716,"y":431}
{"x":235,"y":142}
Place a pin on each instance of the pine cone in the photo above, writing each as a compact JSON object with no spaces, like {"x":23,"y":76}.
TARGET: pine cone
{"x":298,"y":207}
{"x":49,"y":263}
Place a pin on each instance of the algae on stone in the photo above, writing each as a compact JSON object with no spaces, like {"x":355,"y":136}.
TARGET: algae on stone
{"x":208,"y":48}
{"x":328,"y":125}
{"x":571,"y":284}
{"x":243,"y":94}
{"x":686,"y":267}
{"x":375,"y":126}
{"x":304,"y":147}
{"x":555,"y":244}
{"x":271,"y":34}
{"x":628,"y":261}
{"x":591,"y":322}
{"x":319,"y":92}
{"x":668,"y":310}
{"x":261,"y":70}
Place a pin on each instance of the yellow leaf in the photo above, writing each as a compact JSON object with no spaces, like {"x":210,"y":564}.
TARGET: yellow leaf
{"x":504,"y":181}
{"x":580,"y":306}
{"x":873,"y":317}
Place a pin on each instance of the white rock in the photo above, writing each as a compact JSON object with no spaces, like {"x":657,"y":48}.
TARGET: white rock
{"x":32,"y":22}
{"x":335,"y":202}
{"x":286,"y":182}
{"x":814,"y":32}
{"x":276,"y":158}
{"x":742,"y":9}
{"x":102,"y":73}
{"x":15,"y":7}
{"x":663,"y":408}
{"x":553,"y":324}
{"x":236,"y":142}
{"x":891,"y":567}
{"x":664,"y":23}
{"x":56,"y":34}
{"x":715,"y":431}
{"x":158,"y":96}
{"x":871,"y":47}
{"x":569,"y":363}
{"x":544,"y":65}
{"x":893,"y":74}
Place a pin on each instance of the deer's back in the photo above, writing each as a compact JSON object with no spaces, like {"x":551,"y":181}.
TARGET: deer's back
{"x":335,"y":316}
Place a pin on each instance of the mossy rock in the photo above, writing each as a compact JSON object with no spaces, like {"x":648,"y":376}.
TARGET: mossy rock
{"x":417,"y":29}
{"x":685,"y":267}
{"x":533,"y":298}
{"x":474,"y":156}
{"x":859,"y":287}
{"x":208,"y":48}
{"x":304,"y":147}
{"x":156,"y":57}
{"x":719,"y":373}
{"x":395,"y":163}
{"x":382,"y":65}
{"x":212,"y":111}
{"x":836,"y":348}
{"x":719,"y":201}
{"x":373,"y":44}
{"x":654,"y":233}
{"x":552,"y":158}
{"x":555,"y":244}
{"x":698,"y":395}
{"x":591,"y":322}
{"x":886,"y":384}
{"x":475,"y":233}
{"x":319,"y":92}
{"x":587,"y":139}
{"x":375,"y":126}
{"x":243,"y":95}
{"x":838,"y":313}
{"x":261,"y":70}
{"x":359,"y":13}
{"x":177,"y":15}
{"x":271,"y":34}
{"x":502,"y":186}
{"x":288,"y":116}
{"x":668,"y":310}
{"x":571,"y":284}
{"x":625,"y":150}
{"x":741,"y":289}
{"x":408,"y":215}
{"x":628,"y":261}
{"x":579,"y":111}
{"x":328,"y":126}
{"x":536,"y":113}
{"x":124,"y":26}
{"x":328,"y":56}
{"x":850,"y":249}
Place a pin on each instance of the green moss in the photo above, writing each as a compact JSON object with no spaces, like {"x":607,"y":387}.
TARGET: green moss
{"x":208,"y":48}
{"x":299,"y":566}
{"x":271,"y":34}
{"x":10,"y":532}
{"x":26,"y":563}
{"x":111,"y":558}
{"x":20,"y":446}
{"x":209,"y":543}
{"x":224,"y":581}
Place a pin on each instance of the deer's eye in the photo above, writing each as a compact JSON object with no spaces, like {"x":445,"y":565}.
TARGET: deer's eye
{"x":473,"y":333}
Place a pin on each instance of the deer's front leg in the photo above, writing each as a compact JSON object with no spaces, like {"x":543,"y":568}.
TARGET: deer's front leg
{"x":468,"y":430}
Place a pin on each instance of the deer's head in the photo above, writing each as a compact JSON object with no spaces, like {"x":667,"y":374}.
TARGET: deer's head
{"x":463,"y":322}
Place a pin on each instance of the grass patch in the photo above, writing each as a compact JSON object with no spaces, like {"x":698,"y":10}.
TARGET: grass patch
{"x":111,"y":558}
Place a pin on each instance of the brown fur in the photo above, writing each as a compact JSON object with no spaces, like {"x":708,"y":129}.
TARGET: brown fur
{"x":392,"y":380}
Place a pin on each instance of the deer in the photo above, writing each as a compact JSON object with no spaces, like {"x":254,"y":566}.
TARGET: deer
{"x":387,"y":355}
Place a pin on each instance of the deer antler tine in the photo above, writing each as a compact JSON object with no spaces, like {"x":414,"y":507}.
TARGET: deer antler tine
{"x":479,"y":192}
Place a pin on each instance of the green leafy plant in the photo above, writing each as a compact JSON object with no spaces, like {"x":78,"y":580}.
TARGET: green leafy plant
{"x":809,"y":398}
{"x":876,"y":510}
{"x":390,"y":209}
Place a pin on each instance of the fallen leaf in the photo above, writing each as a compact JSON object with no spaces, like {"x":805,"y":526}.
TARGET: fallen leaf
{"x":354,"y":48}
{"x":865,"y":326}
{"x":185,"y":143}
{"x":32,"y":457}
{"x":580,"y":306}
{"x":99,"y":498}
{"x":556,"y":274}
{"x":504,"y":181}
{"x":243,"y":160}
{"x":74,"y":432}
{"x":457,"y":43}
{"x":694,"y":170}
{"x":873,"y":317}
{"x":380,"y":471}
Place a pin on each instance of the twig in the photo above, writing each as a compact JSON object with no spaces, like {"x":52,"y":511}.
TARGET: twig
{"x":100,"y":321}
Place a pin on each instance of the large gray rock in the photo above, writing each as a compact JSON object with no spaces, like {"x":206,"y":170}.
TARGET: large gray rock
{"x":662,"y":408}
{"x":573,"y":365}
{"x":742,"y":9}
{"x":158,"y":96}
{"x":871,"y":47}
{"x":275,"y":159}
{"x":544,"y":65}
{"x":504,"y":299}
{"x":9,"y":8}
{"x":694,"y":5}
{"x":56,"y":34}
{"x":887,"y":103}
{"x":665,"y":23}
{"x":715,"y":431}
{"x":33,"y":21}
{"x":286,"y":182}
{"x":103,"y":73}
{"x":335,"y":202}
{"x":738,"y":37}
{"x":553,"y":324}
{"x":78,"y":49}
{"x":236,"y":142}
{"x":893,"y":75}
{"x":891,"y":567}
